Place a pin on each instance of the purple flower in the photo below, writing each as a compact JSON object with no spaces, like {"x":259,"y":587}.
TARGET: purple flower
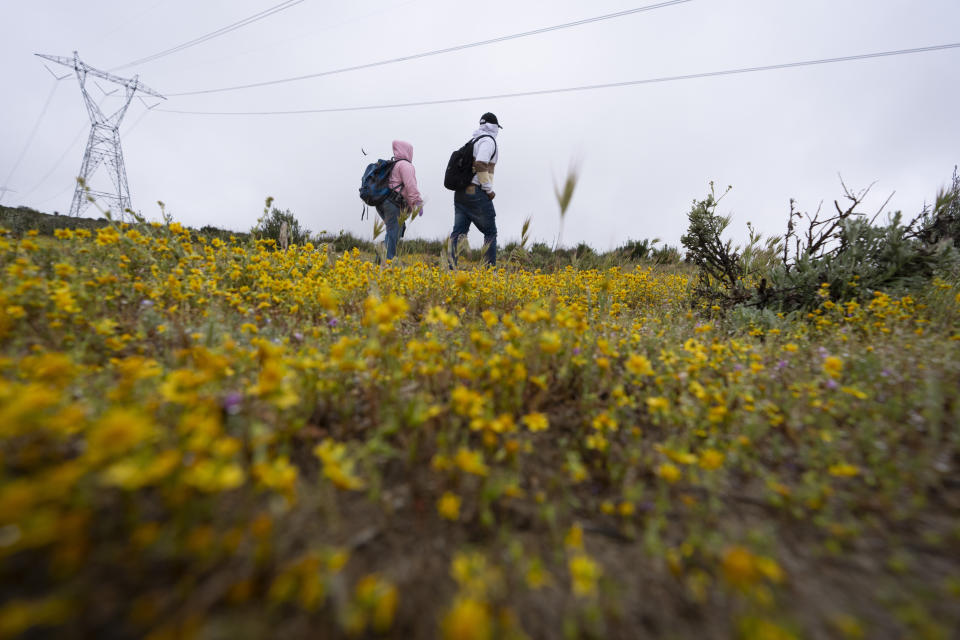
{"x":332,"y":322}
{"x":831,"y":384}
{"x":576,"y":351}
{"x":231,"y":402}
{"x":886,"y":373}
{"x":298,"y":336}
{"x":146,"y":303}
{"x":781,"y":364}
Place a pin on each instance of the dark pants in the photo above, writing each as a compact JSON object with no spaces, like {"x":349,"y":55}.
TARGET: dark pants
{"x":389,"y":211}
{"x":477,"y":208}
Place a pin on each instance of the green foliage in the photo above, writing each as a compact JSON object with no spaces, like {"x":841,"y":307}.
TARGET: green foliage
{"x":517,"y":250}
{"x":843,"y":256}
{"x":272,"y":226}
{"x":867,"y":258}
{"x":564,"y":195}
{"x":666,"y":255}
{"x":639,"y":249}
{"x":19,"y":220}
{"x":210,"y":232}
{"x":344,"y":241}
{"x":720,"y":266}
{"x":941,"y":224}
{"x":422,"y":246}
{"x":646,"y":250}
{"x":583,"y":250}
{"x":759,"y":256}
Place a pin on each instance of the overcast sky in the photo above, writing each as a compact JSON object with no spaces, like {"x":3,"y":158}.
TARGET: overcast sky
{"x":645,"y":151}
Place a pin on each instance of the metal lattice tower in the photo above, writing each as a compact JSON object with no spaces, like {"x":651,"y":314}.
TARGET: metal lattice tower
{"x":103,"y":145}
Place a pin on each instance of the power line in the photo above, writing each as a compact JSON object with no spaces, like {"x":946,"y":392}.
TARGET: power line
{"x":125,"y":23}
{"x":57,"y":164}
{"x":63,"y":156}
{"x":135,"y":123}
{"x":57,"y":195}
{"x":589,"y":87}
{"x":312,"y":32}
{"x":437,"y":52}
{"x":69,"y":148}
{"x":33,"y":133}
{"x":60,"y":161}
{"x":266,"y":13}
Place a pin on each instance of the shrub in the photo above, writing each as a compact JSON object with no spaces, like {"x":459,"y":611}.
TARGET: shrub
{"x":942,"y":222}
{"x":19,"y":220}
{"x":720,"y":267}
{"x":842,"y":256}
{"x":272,"y":225}
{"x":638,"y":249}
{"x":666,"y":255}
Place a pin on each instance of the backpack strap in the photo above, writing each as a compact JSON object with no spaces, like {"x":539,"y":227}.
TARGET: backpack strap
{"x":398,"y":190}
{"x":486,"y":135}
{"x":394,"y":161}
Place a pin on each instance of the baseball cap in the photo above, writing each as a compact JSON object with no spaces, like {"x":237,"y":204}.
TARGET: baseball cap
{"x":489,"y":118}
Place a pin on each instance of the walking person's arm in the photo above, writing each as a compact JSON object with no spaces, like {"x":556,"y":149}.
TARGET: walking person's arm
{"x":484,"y":163}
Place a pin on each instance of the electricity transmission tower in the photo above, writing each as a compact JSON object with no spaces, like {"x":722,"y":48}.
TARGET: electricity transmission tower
{"x":103,"y":145}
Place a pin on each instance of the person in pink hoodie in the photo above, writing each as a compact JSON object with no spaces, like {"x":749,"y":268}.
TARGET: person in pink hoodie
{"x":405,"y":201}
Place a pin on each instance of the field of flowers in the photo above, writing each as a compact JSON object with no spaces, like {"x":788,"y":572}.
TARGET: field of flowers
{"x":211,"y":439}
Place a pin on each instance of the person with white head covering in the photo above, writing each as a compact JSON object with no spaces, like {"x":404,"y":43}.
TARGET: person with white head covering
{"x":474,"y":203}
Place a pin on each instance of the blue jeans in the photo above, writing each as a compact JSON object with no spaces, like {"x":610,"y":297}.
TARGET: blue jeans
{"x":389,"y":211}
{"x":476,"y":208}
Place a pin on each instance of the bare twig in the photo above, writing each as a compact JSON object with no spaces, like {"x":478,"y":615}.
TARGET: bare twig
{"x":882,"y":207}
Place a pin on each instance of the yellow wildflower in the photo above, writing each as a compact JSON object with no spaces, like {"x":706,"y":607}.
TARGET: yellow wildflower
{"x":574,"y":538}
{"x":337,"y":466}
{"x":467,"y":619}
{"x":536,"y":422}
{"x":669,"y":472}
{"x":658,"y":404}
{"x":711,"y":459}
{"x":550,"y":342}
{"x":584,"y":575}
{"x":844,"y":470}
{"x":471,"y":462}
{"x":118,"y":431}
{"x":449,"y":506}
{"x":833,"y":366}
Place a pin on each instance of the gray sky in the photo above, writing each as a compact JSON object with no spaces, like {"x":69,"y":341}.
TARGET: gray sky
{"x":645,"y":151}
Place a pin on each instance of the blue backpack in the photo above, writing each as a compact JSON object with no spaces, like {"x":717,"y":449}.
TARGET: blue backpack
{"x":375,"y":185}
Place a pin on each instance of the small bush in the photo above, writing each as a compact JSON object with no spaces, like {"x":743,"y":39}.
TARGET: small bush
{"x":941,"y":224}
{"x":841,"y":256}
{"x":666,"y":255}
{"x":638,"y":249}
{"x":272,"y":226}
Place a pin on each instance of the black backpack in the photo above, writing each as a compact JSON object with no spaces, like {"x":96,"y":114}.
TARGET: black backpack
{"x":459,"y":172}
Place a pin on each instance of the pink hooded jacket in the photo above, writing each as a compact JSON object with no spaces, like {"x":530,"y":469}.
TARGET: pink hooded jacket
{"x":404,"y":174}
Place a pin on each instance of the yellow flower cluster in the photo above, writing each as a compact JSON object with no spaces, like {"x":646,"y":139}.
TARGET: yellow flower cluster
{"x":193,"y":428}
